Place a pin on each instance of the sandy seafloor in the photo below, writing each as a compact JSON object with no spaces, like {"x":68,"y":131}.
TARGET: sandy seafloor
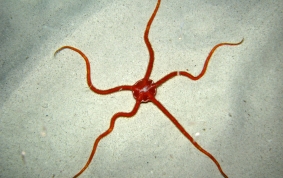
{"x":49,"y":118}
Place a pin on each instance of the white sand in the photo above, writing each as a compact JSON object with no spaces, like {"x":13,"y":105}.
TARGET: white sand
{"x":49,"y":118}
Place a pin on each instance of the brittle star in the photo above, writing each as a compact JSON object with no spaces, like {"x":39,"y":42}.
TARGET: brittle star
{"x":144,"y":90}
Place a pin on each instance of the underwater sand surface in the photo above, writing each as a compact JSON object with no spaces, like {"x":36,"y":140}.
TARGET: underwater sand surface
{"x":49,"y":118}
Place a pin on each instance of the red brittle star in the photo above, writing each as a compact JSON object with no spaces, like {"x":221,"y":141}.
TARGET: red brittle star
{"x":144,"y":90}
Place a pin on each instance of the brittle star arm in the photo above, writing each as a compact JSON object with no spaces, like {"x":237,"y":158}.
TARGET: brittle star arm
{"x":147,"y":42}
{"x":187,"y":135}
{"x":108,"y":131}
{"x":88,"y":74}
{"x":186,"y":74}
